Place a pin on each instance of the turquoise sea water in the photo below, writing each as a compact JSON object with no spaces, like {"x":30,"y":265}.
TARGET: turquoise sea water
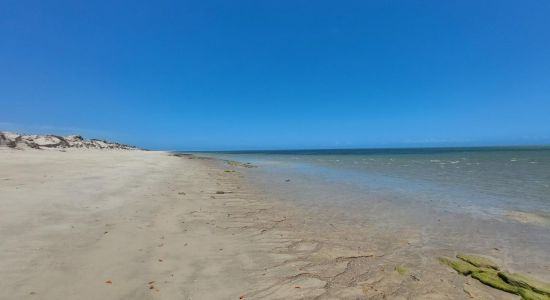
{"x":455,"y":199}
{"x":482,"y":180}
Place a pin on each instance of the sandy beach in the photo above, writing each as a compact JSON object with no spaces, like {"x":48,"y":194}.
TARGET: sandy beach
{"x":279,"y":150}
{"x":117,"y":224}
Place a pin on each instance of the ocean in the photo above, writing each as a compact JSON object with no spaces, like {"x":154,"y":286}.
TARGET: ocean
{"x":477,"y":180}
{"x":468,"y":199}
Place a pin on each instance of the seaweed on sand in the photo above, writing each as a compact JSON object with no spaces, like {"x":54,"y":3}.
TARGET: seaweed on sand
{"x":487,"y":272}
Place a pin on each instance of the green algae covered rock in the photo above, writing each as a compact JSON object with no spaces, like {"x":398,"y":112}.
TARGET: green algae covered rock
{"x":461,"y":267}
{"x":478,"y":261}
{"x":526,"y":282}
{"x":530,"y":295}
{"x":486,"y":271}
{"x":401,"y":270}
{"x":491,"y":278}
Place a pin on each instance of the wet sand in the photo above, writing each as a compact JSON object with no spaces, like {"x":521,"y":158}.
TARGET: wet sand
{"x":87,"y":224}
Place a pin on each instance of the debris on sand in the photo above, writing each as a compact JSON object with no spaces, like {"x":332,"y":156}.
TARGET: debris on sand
{"x":239,"y":164}
{"x":401,"y":270}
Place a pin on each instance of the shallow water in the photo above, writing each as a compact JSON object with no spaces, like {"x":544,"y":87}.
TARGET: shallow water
{"x":479,"y":179}
{"x":456,"y":199}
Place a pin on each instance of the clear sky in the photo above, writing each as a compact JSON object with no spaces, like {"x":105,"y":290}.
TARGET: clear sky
{"x":278,"y":74}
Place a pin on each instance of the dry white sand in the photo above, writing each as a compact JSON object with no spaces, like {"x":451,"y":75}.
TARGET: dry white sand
{"x":112,"y":225}
{"x":92,"y":224}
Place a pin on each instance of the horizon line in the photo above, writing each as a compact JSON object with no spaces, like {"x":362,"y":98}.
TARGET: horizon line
{"x":486,"y":147}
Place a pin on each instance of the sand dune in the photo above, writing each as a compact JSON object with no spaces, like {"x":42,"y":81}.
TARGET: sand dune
{"x":23,"y":141}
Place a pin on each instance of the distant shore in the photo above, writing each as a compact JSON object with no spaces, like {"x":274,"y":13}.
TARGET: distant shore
{"x":105,"y":224}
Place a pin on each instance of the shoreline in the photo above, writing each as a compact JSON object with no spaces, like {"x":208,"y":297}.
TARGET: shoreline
{"x":124,"y":225}
{"x":405,"y":251}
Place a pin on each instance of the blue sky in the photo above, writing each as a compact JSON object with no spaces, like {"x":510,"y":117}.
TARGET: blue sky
{"x":278,"y":74}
